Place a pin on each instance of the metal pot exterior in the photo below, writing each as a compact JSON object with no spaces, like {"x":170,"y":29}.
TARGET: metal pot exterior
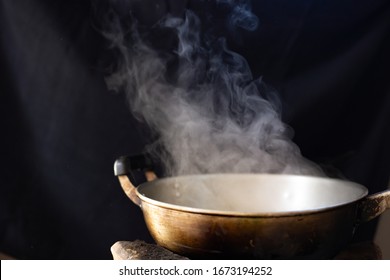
{"x":317,"y":224}
{"x":317,"y":235}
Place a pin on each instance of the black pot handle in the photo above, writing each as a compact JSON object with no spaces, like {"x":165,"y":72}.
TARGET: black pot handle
{"x":134,"y":167}
{"x":131,"y":171}
{"x":126,"y":165}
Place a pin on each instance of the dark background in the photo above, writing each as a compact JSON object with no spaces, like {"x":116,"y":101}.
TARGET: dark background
{"x":61,"y":130}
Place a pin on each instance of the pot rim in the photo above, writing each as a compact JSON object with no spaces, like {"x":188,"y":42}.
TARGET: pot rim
{"x":269,"y":214}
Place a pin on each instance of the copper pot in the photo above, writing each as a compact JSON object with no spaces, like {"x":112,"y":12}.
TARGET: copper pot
{"x":264,"y":216}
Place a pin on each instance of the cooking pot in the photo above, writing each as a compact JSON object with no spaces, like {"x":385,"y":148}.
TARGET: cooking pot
{"x":264,"y":216}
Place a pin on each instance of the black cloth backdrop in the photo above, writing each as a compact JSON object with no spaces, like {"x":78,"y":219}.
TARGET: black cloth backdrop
{"x":61,"y":130}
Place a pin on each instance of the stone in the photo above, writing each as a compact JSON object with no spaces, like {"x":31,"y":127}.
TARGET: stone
{"x":140,"y":250}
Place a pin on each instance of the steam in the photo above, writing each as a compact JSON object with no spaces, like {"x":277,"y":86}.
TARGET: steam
{"x":240,"y":15}
{"x":201,"y":100}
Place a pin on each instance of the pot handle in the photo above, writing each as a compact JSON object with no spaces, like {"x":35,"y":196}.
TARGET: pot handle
{"x":374,"y":205}
{"x":125,"y":169}
{"x":129,"y":189}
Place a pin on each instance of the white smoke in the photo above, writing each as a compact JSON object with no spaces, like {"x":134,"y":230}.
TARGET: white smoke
{"x":200,"y":98}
